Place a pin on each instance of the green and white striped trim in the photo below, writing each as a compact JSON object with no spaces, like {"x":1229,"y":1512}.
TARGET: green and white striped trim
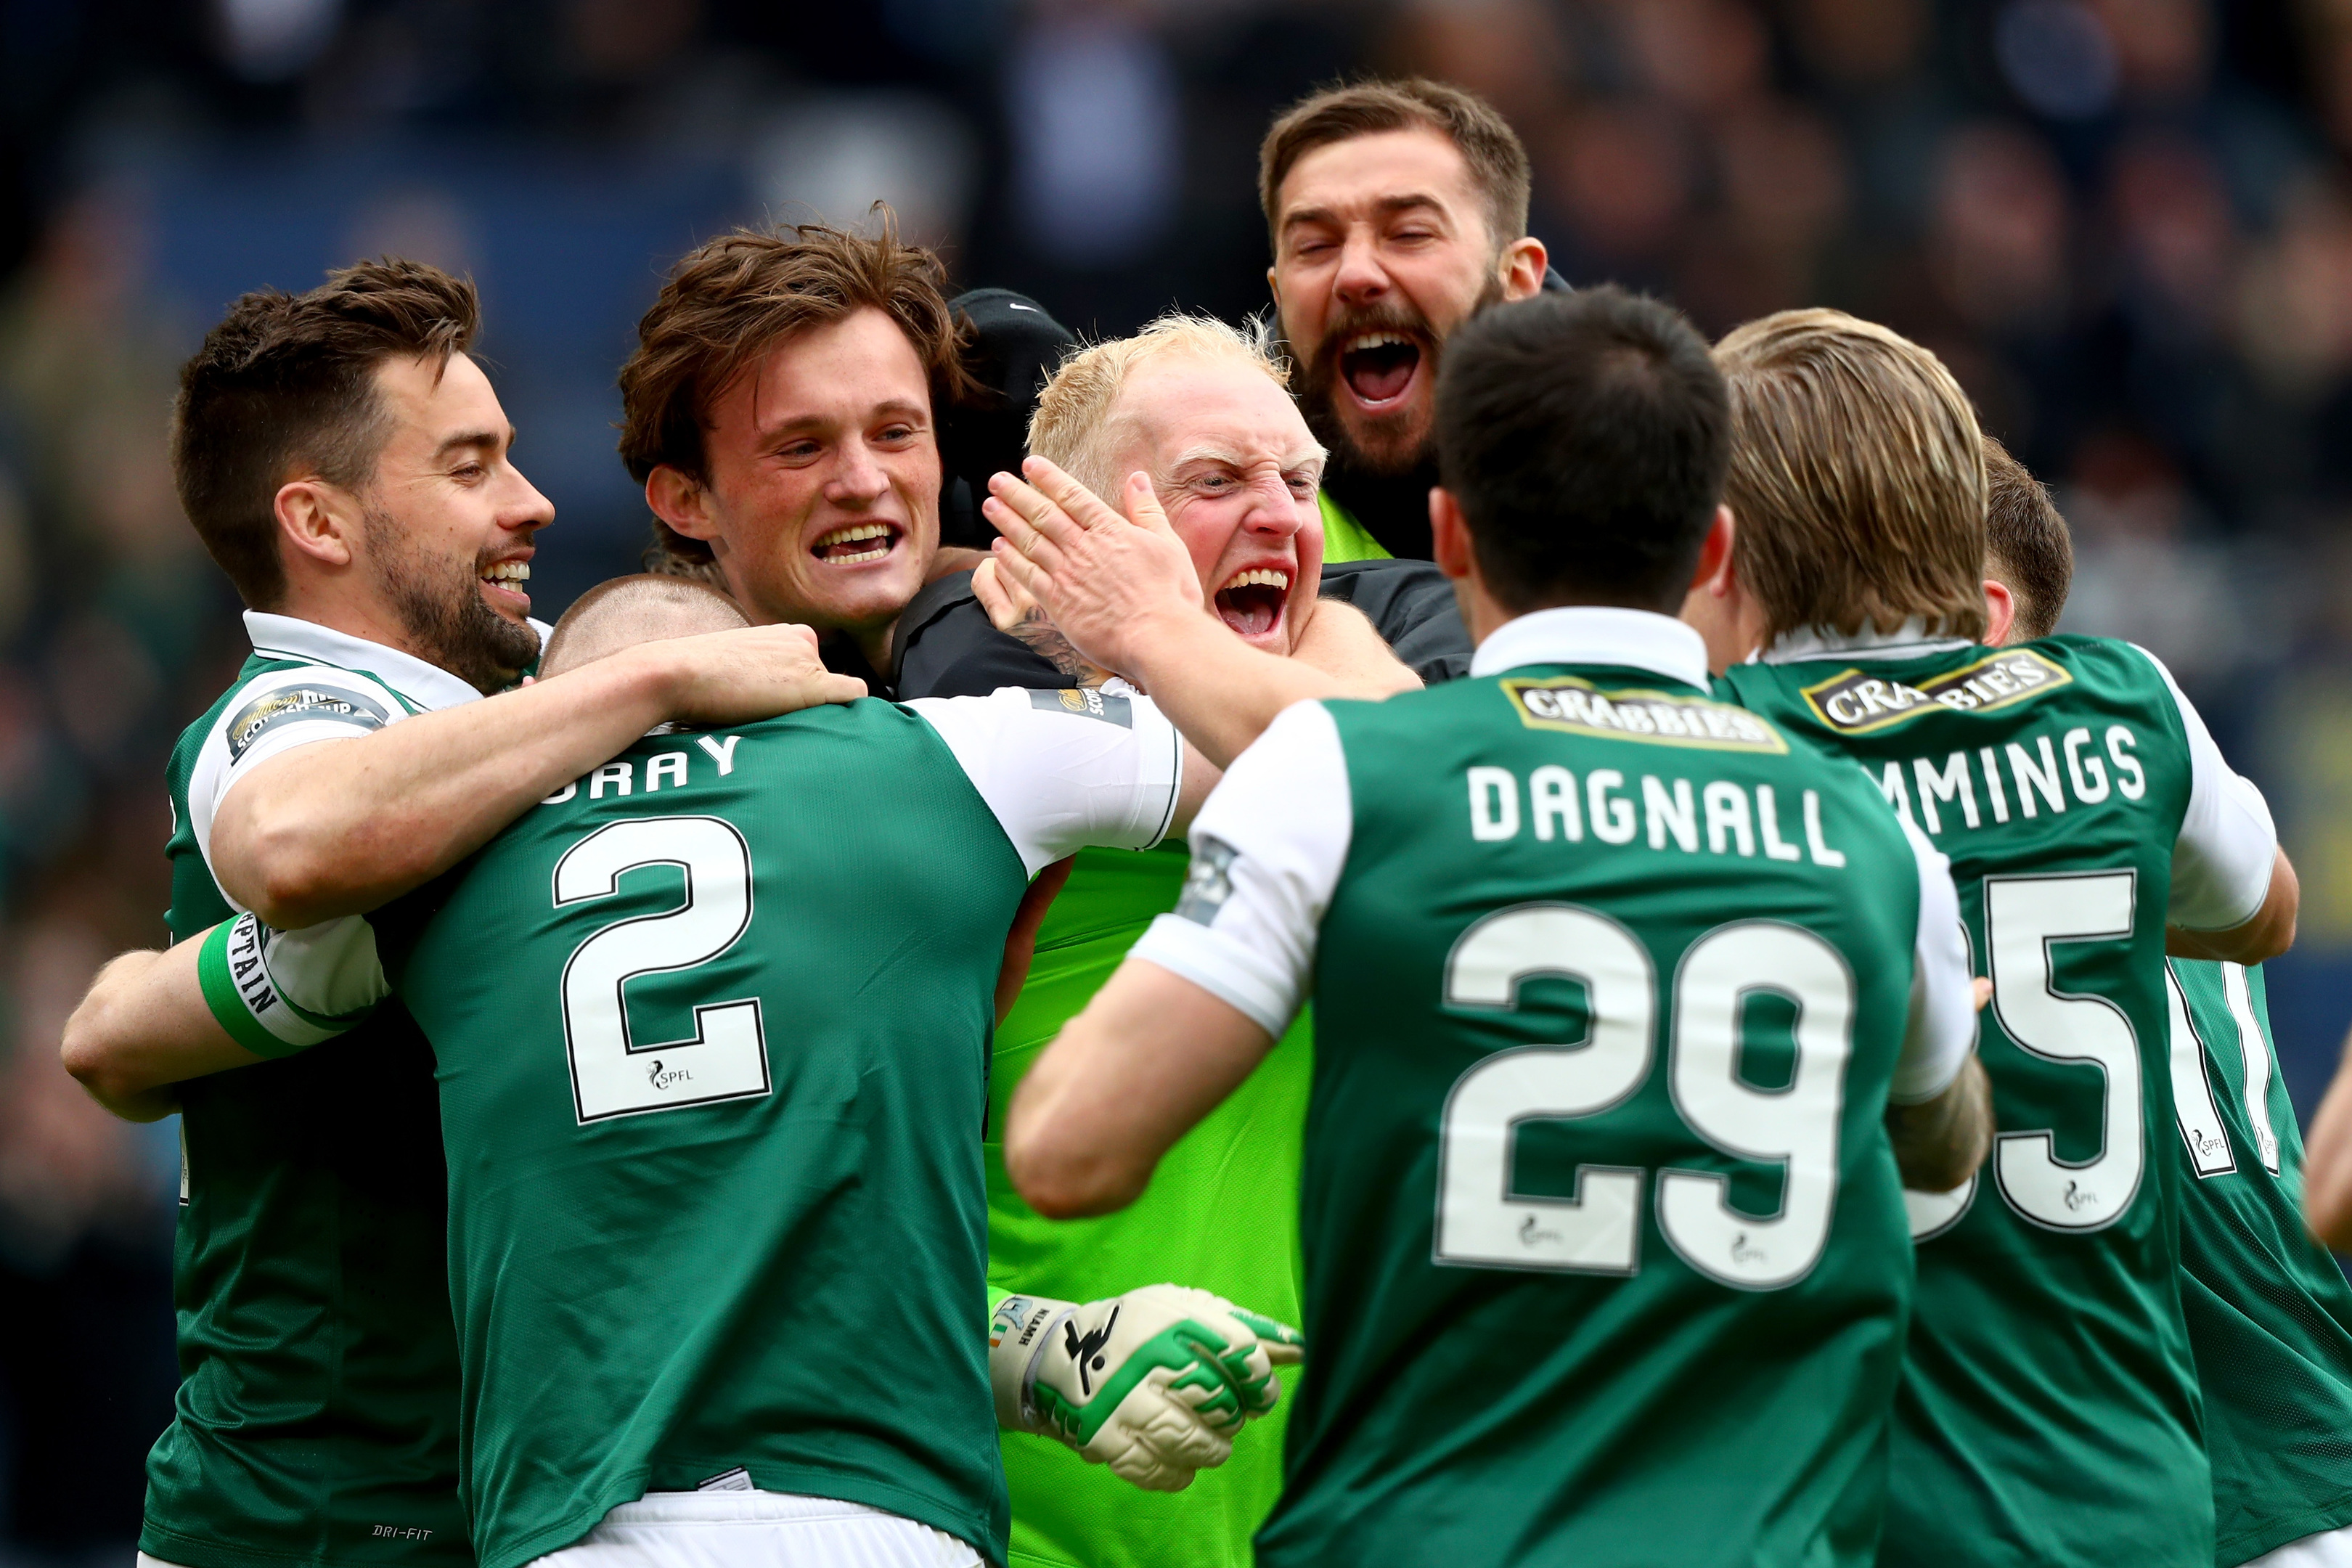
{"x":233,"y":967}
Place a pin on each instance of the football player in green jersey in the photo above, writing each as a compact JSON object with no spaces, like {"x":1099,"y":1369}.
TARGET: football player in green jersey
{"x":735,"y":1382}
{"x":2049,"y":1410}
{"x":349,"y":467}
{"x":2269,"y":1313}
{"x":1614,"y":986}
{"x":1203,"y":408}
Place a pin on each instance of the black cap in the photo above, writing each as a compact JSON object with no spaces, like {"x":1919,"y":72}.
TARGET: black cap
{"x":1014,"y":348}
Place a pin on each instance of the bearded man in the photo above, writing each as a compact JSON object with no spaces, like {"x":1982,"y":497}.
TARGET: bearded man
{"x":1397,"y":210}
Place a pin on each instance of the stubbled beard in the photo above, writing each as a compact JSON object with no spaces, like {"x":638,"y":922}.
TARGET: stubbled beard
{"x":1405,"y":449}
{"x":445,"y":618}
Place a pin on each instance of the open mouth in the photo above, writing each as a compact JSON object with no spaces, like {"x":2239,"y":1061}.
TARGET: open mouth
{"x":1378,"y":367}
{"x":509,"y":577}
{"x":856,"y":544}
{"x":1251,"y":603}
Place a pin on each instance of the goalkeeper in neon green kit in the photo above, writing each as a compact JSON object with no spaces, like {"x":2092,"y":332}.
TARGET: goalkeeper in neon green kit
{"x":1201,"y":409}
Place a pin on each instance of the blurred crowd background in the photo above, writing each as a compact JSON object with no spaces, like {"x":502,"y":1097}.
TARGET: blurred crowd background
{"x":2125,"y":224}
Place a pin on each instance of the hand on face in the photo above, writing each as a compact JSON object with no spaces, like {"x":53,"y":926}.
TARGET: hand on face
{"x":1103,"y":579}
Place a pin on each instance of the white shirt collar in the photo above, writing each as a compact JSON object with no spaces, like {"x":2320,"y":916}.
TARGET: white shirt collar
{"x":428,"y":686}
{"x":1909,"y":640}
{"x":1596,"y":634}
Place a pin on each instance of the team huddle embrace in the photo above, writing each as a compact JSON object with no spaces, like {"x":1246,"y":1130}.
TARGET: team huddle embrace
{"x":1484,"y":933}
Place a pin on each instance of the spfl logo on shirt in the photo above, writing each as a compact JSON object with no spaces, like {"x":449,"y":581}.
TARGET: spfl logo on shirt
{"x":293,"y":704}
{"x":1086,"y":704}
{"x":1857,"y":703}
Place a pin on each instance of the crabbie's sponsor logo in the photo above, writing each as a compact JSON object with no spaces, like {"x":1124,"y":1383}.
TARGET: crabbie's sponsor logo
{"x":1086,"y":703}
{"x":1856,"y":703}
{"x":294,"y":704}
{"x":1580,"y":708}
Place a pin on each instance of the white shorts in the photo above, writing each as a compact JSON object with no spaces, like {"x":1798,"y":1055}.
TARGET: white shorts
{"x":147,"y":1561}
{"x":2329,"y":1549}
{"x":757,"y":1530}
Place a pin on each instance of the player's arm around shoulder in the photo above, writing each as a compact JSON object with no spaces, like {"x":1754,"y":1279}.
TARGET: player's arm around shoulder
{"x":1939,"y":1106}
{"x":338,"y":829}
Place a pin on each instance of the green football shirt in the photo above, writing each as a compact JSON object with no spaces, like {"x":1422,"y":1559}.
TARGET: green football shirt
{"x":1221,"y":1214}
{"x":2049,"y":1411}
{"x":2270,"y":1315}
{"x":717,"y":1217}
{"x":1605,"y":1244}
{"x":317,"y":1419}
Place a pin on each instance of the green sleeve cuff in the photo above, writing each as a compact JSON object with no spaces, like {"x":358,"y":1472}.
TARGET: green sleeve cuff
{"x":233,"y":971}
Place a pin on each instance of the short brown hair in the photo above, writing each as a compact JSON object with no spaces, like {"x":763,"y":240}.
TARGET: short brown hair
{"x":1498,"y":163}
{"x":731,"y":299}
{"x":284,"y":387}
{"x":2026,"y":542}
{"x":1857,"y":478}
{"x":622,"y":611}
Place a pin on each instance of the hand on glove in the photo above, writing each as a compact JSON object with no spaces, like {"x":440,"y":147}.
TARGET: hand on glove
{"x":1154,"y":1384}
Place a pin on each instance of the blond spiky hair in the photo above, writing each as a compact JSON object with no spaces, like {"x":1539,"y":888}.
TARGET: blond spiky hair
{"x":1073,"y":427}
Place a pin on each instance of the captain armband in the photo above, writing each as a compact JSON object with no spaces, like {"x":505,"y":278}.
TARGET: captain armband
{"x":234,"y":969}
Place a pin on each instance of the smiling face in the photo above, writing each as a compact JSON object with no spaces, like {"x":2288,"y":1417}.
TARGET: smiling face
{"x":823,"y":497}
{"x":1381,"y":249}
{"x":1236,"y":468}
{"x":448,"y":521}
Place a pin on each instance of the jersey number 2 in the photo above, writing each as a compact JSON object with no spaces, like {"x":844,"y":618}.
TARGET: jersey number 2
{"x":727,"y":1057}
{"x":1482,"y":1223}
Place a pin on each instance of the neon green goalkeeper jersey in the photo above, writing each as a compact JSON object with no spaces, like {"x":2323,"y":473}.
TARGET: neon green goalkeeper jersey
{"x":711,"y":1026}
{"x":2049,"y":1411}
{"x":2270,"y":1315}
{"x":1221,"y":1214}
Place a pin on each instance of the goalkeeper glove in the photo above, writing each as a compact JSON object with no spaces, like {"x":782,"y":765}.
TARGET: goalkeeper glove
{"x":1154,"y":1384}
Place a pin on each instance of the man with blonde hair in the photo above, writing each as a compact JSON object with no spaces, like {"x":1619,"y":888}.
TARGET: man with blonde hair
{"x":1203,"y":410}
{"x":2048,"y":1409}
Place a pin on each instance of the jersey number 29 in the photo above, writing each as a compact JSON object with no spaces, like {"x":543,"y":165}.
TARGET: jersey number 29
{"x":1482,"y":1223}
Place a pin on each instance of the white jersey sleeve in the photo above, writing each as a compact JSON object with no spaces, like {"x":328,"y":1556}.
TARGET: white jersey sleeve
{"x":1267,"y":850}
{"x":1940,"y":1034}
{"x":276,"y":993}
{"x":1064,"y":771}
{"x":269,"y":716}
{"x":272,"y":714}
{"x":2222,"y":861}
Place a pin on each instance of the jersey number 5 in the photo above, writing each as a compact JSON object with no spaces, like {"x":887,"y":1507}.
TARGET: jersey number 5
{"x":2026,"y":918}
{"x":727,"y":1057}
{"x":1482,"y":1223}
